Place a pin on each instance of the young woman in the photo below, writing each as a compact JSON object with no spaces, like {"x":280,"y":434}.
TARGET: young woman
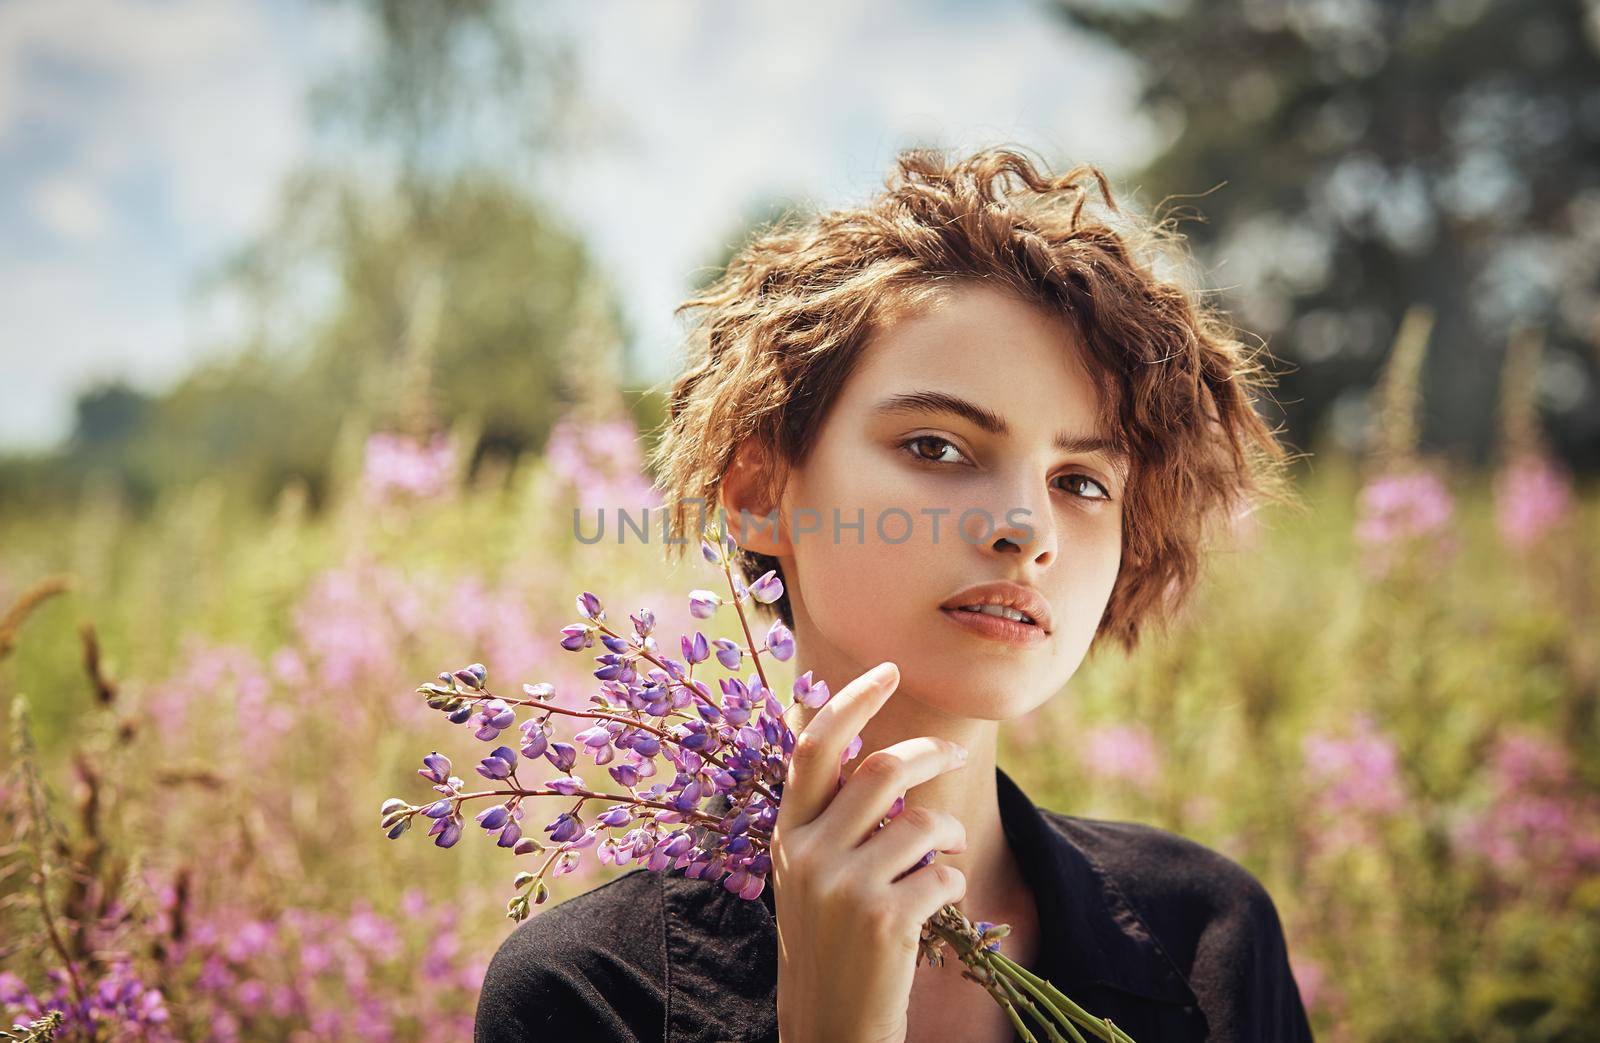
{"x":976,"y":435}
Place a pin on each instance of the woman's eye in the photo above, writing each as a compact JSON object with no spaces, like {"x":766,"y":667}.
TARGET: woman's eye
{"x":1100,"y":490}
{"x":940,"y":446}
{"x":918,"y":447}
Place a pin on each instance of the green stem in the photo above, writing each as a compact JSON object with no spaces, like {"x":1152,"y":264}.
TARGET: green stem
{"x":1066,"y":1020}
{"x":1061,"y":1002}
{"x":1019,"y":997}
{"x":1016,"y":1020}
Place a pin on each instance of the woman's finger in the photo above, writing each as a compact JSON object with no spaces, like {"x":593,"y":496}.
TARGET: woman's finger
{"x":814,"y":765}
{"x":928,"y":890}
{"x":882,"y":776}
{"x":907,"y":840}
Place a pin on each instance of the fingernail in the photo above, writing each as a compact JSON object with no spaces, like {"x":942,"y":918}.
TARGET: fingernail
{"x":961,"y":752}
{"x":882,"y":672}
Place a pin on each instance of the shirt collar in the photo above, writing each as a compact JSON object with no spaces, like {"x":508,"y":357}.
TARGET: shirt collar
{"x":1091,"y":932}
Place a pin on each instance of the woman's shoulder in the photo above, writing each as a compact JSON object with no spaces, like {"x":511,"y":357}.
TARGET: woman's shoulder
{"x":593,"y":964}
{"x":1160,"y":867}
{"x":1213,"y":917}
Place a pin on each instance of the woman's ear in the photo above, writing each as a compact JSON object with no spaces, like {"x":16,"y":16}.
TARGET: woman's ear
{"x":744,"y":496}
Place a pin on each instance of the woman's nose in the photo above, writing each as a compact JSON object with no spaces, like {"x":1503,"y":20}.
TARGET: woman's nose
{"x":1018,"y":525}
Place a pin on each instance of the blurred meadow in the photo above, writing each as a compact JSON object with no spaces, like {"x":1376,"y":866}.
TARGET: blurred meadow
{"x":218,"y":597}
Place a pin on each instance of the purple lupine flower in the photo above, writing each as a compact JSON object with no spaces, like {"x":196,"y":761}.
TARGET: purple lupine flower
{"x":494,"y":817}
{"x":594,"y":737}
{"x":696,"y":649}
{"x":729,"y":654}
{"x":567,"y":826}
{"x":780,"y":642}
{"x":693,"y":735}
{"x":495,"y":717}
{"x":563,"y":755}
{"x":567,"y":785}
{"x":703,"y":603}
{"x":437,"y":767}
{"x":710,"y":552}
{"x":811,"y":693}
{"x":446,"y":831}
{"x":768,"y":588}
{"x":709,"y":711}
{"x":613,"y":667}
{"x":535,"y":738}
{"x":577,"y":636}
{"x":644,"y":622}
{"x":511,"y":834}
{"x":394,"y":816}
{"x":745,"y":884}
{"x":499,"y":764}
{"x":589,"y":608}
{"x":472,"y":676}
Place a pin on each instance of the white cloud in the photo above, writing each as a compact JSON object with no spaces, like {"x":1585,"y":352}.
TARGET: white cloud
{"x":72,"y":209}
{"x":137,"y":141}
{"x":198,"y":90}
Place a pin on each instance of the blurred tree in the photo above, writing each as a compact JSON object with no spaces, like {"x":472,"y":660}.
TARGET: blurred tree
{"x":1357,"y":157}
{"x":108,"y":413}
{"x":412,"y":276}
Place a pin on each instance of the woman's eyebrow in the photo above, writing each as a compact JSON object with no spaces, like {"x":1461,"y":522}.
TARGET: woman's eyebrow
{"x":988,"y":420}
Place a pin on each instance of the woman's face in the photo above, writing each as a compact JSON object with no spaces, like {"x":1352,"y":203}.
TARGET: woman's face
{"x":946,"y":444}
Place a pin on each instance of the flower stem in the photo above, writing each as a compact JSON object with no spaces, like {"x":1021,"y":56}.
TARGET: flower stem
{"x":1016,"y":1019}
{"x":750,"y":641}
{"x":951,"y":925}
{"x":1021,"y":999}
{"x":1049,"y":993}
{"x":602,"y":715}
{"x":711,"y":820}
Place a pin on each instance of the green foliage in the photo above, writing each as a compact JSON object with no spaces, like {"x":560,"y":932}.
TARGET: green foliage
{"x":207,"y":611}
{"x":1351,"y":160}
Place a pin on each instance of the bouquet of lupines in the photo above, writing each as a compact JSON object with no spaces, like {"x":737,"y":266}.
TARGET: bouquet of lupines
{"x":651,"y":706}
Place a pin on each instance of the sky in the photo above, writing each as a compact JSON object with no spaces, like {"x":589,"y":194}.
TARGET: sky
{"x":142,"y":141}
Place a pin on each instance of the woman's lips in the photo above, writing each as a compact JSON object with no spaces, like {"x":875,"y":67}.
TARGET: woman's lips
{"x":996,"y":628}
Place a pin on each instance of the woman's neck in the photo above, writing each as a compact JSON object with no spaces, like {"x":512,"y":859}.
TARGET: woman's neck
{"x":969,"y":792}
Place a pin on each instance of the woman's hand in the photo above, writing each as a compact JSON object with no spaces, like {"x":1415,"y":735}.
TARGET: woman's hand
{"x":848,"y":930}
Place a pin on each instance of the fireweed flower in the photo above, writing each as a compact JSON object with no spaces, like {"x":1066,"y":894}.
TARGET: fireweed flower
{"x":1532,"y":495}
{"x":1401,"y":514}
{"x":651,"y":718}
{"x":394,"y":465}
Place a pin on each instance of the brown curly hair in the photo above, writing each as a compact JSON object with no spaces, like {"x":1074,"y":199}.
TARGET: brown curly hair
{"x":779,"y":332}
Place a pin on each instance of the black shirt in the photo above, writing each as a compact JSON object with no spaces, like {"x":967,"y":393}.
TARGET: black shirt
{"x":1171,"y":940}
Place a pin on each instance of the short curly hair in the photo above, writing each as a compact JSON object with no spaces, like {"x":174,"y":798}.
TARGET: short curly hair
{"x":779,"y":332}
